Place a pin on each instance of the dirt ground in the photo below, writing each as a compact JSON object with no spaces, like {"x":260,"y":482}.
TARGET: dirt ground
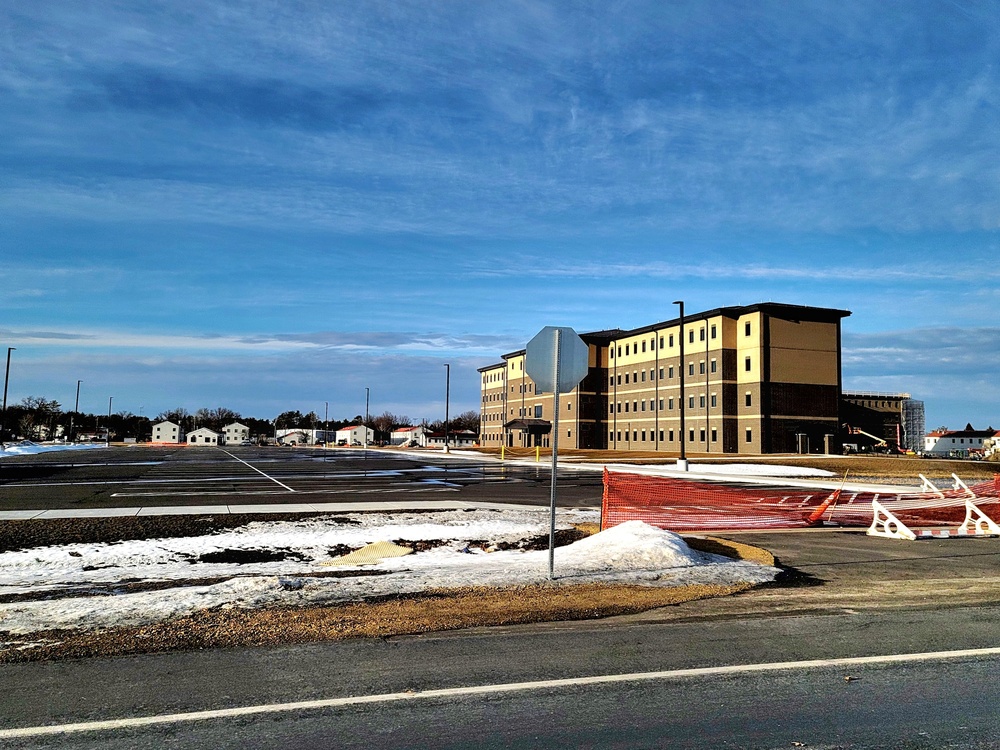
{"x":398,"y":615}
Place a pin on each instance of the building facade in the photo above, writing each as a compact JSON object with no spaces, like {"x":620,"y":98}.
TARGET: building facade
{"x":891,"y":421}
{"x":203,"y":436}
{"x":763,"y":378}
{"x":235,"y":433}
{"x":167,"y":432}
{"x":959,"y":443}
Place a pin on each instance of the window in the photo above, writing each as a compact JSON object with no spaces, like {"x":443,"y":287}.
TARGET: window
{"x":701,"y":435}
{"x":690,"y":368}
{"x":671,"y":434}
{"x":643,"y":376}
{"x":701,"y":334}
{"x":619,"y":436}
{"x":644,"y":346}
{"x":569,"y":406}
{"x":652,"y":375}
{"x":713,"y":331}
{"x":714,"y":404}
{"x":715,"y":435}
{"x":611,"y":380}
{"x":626,"y":407}
{"x":670,"y":401}
{"x":746,"y":364}
{"x":644,"y":436}
{"x":661,"y":374}
{"x":690,"y":402}
{"x":635,"y":347}
{"x":619,"y":379}
{"x":661,"y":404}
{"x":749,"y":431}
{"x":690,"y":436}
{"x":749,"y":399}
{"x":635,"y":436}
{"x":643,"y":407}
{"x":635,"y":376}
{"x":701,"y":367}
{"x":612,"y":352}
{"x":661,"y":436}
{"x":626,"y":378}
{"x":635,"y":406}
{"x":746,"y":331}
{"x":671,"y":339}
{"x":670,"y":372}
{"x":713,"y":366}
{"x":619,"y":351}
{"x":691,"y":336}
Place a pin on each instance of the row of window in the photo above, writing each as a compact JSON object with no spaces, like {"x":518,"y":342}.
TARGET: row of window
{"x":635,"y":346}
{"x":640,"y":405}
{"x":639,"y":436}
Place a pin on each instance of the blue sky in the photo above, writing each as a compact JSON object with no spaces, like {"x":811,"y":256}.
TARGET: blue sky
{"x":270,"y":205}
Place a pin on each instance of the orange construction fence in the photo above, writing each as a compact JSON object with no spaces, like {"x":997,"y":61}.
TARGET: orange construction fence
{"x":692,"y":505}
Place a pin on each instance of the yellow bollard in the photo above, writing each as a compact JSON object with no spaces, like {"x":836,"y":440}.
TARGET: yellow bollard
{"x":538,"y":451}
{"x":502,"y":451}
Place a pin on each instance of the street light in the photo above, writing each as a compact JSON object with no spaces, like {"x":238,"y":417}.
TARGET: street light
{"x":108,"y":440}
{"x":447,"y":389}
{"x":6,"y":377}
{"x":682,"y":463}
{"x":76,"y":410}
{"x":366,"y":420}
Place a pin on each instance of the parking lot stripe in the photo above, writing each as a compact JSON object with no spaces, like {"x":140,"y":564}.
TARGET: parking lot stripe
{"x":259,"y":471}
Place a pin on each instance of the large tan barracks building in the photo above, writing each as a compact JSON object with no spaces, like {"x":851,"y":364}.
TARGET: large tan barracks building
{"x":757,"y":379}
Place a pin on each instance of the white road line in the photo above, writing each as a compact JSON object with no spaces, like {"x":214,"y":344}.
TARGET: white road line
{"x":259,"y":471}
{"x":510,"y":687}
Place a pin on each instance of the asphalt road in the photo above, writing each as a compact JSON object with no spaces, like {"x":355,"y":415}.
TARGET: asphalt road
{"x":152,"y":476}
{"x":924,"y":703}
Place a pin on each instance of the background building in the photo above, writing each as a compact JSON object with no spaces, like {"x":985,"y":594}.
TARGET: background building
{"x":889,"y":422}
{"x":763,"y":378}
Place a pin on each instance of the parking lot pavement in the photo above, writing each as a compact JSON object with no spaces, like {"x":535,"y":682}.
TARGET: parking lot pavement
{"x":842,"y":572}
{"x":157,"y":477}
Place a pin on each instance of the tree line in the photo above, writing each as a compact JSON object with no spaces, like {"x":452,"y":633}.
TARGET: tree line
{"x":37,"y":418}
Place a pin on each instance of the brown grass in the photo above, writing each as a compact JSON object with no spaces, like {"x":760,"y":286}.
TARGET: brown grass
{"x":433,"y":611}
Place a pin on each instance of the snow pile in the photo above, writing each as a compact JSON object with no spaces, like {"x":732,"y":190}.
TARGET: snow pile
{"x":632,"y":545}
{"x":632,"y":553}
{"x":28,"y":448}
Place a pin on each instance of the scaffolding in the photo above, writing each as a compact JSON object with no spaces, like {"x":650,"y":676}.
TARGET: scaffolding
{"x":914,"y":426}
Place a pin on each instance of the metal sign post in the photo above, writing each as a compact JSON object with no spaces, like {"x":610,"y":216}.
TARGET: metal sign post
{"x":556,"y":359}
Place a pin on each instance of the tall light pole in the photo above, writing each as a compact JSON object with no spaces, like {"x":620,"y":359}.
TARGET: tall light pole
{"x":367,"y":393}
{"x":326,"y":424}
{"x":447,"y":394}
{"x":6,"y":377}
{"x":108,"y":441}
{"x":76,"y":409}
{"x":682,"y":463}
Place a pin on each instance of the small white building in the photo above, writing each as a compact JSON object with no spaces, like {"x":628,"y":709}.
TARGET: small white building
{"x":235,"y":433}
{"x":409,"y":436}
{"x":167,"y":432}
{"x":959,"y":443}
{"x":459,"y":439}
{"x":355,"y":435}
{"x":293,"y":436}
{"x":203,"y":436}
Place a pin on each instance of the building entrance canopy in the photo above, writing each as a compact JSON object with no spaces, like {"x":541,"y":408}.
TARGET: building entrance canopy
{"x":530,"y":426}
